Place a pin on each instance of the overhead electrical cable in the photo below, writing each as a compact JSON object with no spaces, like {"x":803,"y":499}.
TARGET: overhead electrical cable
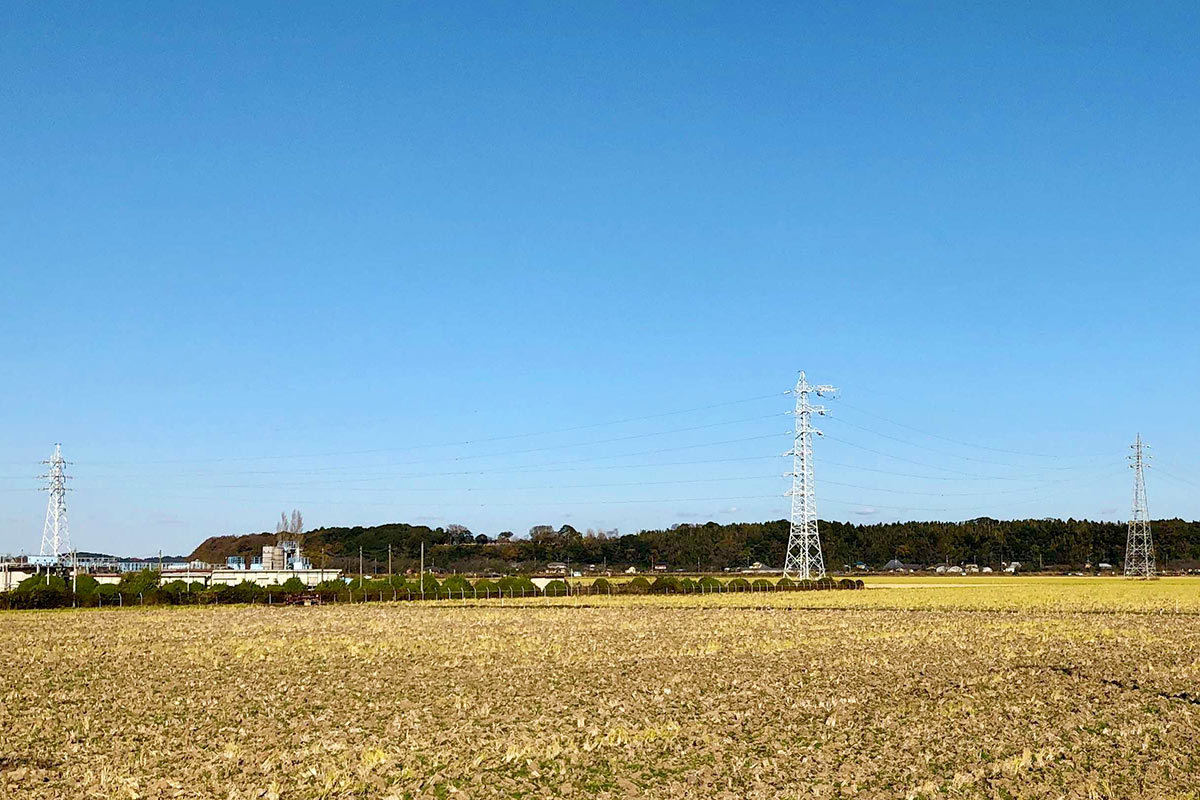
{"x":932,"y":449}
{"x":536,"y":467}
{"x":966,"y":476}
{"x":501,"y":454}
{"x":458,"y":443}
{"x":1040,"y":487}
{"x":1160,"y":471}
{"x":499,"y":488}
{"x":975,"y":511}
{"x":843,"y":404}
{"x":460,"y":505}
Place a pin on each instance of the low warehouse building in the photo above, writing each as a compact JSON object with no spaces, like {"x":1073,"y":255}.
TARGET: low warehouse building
{"x":268,"y":577}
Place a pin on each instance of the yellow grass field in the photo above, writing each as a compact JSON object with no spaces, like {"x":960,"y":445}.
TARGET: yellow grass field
{"x":996,"y":687}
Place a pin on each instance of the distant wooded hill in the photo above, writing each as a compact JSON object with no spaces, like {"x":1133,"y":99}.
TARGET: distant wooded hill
{"x":710,"y":546}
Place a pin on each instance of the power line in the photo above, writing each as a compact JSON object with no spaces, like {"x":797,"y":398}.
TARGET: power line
{"x":974,"y":511}
{"x":1158,"y":470}
{"x":533,"y":470}
{"x":458,"y":443}
{"x":966,"y":476}
{"x":1161,"y":471}
{"x":931,"y":449}
{"x":317,"y":502}
{"x":952,"y":440}
{"x":536,"y":467}
{"x":500,"y":488}
{"x":927,"y":464}
{"x":503,"y":454}
{"x":1038,"y":488}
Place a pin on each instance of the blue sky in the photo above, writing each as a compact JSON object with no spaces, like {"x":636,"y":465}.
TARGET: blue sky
{"x":257,"y":258}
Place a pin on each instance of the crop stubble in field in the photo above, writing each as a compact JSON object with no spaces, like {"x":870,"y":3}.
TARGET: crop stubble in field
{"x":696,"y":699}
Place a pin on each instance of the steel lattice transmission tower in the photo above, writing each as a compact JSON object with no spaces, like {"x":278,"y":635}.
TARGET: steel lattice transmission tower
{"x":55,"y":538}
{"x":804,"y":559}
{"x":1139,"y":547}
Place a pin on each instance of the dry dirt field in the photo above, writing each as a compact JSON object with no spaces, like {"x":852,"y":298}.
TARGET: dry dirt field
{"x":1017,"y":688}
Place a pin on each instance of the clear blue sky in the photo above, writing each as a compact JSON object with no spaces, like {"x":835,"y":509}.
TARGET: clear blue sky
{"x":257,"y":258}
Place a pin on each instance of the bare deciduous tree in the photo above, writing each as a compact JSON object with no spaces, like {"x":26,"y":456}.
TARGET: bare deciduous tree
{"x":290,"y":528}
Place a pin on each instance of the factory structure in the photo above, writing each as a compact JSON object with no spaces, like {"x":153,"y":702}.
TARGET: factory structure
{"x":278,"y":563}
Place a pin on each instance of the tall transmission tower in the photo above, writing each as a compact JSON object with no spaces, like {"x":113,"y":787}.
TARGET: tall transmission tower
{"x":55,"y":538}
{"x":1139,"y":548}
{"x":804,"y":559}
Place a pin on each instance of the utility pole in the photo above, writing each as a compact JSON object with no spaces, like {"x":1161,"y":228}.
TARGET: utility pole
{"x":389,"y":562}
{"x":74,"y":576}
{"x":55,"y":537}
{"x":804,"y":559}
{"x":1139,"y":548}
{"x":422,"y":569}
{"x":360,"y":567}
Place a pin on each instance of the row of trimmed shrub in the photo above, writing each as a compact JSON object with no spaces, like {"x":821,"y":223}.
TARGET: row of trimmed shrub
{"x":669,"y":584}
{"x":142,"y":589}
{"x":40,"y":591}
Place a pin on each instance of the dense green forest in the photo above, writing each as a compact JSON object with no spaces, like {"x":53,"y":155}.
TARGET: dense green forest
{"x":1048,"y":543}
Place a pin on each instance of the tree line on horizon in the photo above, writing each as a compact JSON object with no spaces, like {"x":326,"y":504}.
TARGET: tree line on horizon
{"x":1036,"y":543}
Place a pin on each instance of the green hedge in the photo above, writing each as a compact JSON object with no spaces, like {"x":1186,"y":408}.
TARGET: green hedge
{"x":456,"y":586}
{"x":601,"y":586}
{"x":665,"y":584}
{"x":638,"y":585}
{"x":485,"y":588}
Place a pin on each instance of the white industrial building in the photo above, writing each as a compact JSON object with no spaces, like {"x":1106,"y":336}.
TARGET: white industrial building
{"x":278,"y":563}
{"x":11,"y":577}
